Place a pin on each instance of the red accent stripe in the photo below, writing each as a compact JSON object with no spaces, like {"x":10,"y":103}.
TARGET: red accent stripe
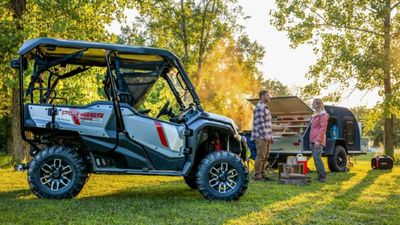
{"x":161,"y":134}
{"x":76,"y":120}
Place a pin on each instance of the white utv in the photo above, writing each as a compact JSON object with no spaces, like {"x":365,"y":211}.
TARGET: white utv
{"x":113,"y":136}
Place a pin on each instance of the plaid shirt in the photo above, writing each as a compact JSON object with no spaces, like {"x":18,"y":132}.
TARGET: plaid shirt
{"x":261,"y":123}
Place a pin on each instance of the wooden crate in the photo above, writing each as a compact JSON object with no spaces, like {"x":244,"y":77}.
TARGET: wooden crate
{"x":286,"y":169}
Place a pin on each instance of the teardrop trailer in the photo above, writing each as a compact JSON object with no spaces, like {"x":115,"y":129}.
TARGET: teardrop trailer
{"x":113,"y":136}
{"x":291,"y":129}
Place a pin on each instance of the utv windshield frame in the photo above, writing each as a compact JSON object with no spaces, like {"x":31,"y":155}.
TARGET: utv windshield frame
{"x":86,"y":54}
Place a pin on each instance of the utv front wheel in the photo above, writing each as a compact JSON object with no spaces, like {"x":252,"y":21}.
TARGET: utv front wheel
{"x":222,"y":176}
{"x":57,"y":172}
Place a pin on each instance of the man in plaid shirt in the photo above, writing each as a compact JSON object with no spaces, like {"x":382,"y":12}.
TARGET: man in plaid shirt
{"x":262,"y":135}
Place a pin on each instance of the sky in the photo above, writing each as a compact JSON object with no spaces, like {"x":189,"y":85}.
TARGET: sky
{"x":282,"y":62}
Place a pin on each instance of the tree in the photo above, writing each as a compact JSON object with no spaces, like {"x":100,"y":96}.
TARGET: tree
{"x":188,"y":28}
{"x":227,"y":83}
{"x":201,"y":33}
{"x":22,"y":20}
{"x":355,"y":41}
{"x":373,"y":124}
{"x":276,"y":88}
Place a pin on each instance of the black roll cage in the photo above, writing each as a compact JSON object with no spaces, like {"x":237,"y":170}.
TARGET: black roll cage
{"x":43,"y":65}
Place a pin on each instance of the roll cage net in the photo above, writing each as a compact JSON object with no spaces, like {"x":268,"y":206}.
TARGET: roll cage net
{"x":133,"y":78}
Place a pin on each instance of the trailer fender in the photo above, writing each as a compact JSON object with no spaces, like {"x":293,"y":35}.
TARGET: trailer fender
{"x":332,"y":143}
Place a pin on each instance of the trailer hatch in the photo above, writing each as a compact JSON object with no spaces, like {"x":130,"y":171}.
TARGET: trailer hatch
{"x":286,"y":105}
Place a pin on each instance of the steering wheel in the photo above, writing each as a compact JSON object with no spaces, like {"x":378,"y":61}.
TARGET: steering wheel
{"x":164,"y":110}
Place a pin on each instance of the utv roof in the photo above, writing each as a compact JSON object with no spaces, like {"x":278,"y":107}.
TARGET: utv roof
{"x":286,"y":105}
{"x":58,"y":47}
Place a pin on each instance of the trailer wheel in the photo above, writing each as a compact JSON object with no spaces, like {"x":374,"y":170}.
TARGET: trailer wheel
{"x":338,"y":161}
{"x":57,"y":172}
{"x":222,"y":176}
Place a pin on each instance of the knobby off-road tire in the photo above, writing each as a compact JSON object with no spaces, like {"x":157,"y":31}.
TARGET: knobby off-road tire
{"x":222,"y":176}
{"x":338,"y":161}
{"x":57,"y":172}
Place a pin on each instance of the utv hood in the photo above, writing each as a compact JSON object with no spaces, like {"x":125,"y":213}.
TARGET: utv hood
{"x":286,"y":105}
{"x":223,"y":119}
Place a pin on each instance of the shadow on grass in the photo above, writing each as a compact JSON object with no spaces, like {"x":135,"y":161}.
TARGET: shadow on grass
{"x":170,"y":202}
{"x":191,"y":204}
{"x":340,"y":208}
{"x":282,"y":209}
{"x":11,"y":196}
{"x":160,"y":191}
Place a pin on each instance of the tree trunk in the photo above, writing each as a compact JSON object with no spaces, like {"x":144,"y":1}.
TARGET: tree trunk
{"x":184,"y":33}
{"x":201,"y":43}
{"x":19,"y":147}
{"x":204,"y":38}
{"x":388,"y":137}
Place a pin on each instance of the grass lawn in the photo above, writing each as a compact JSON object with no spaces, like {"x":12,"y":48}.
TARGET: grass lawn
{"x":361,"y":196}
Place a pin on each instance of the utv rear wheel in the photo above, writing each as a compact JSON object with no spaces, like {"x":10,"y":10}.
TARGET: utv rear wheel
{"x":338,"y":161}
{"x":222,"y":176}
{"x":57,"y":172}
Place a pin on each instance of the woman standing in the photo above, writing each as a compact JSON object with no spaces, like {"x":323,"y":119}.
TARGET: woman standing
{"x":319,"y":123}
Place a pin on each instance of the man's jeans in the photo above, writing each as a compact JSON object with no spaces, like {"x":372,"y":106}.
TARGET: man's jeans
{"x":317,"y":154}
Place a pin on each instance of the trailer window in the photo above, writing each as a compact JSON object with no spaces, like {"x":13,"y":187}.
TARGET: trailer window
{"x":349,"y":132}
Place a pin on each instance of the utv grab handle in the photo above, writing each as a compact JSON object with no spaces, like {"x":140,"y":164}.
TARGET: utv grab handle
{"x":15,"y":64}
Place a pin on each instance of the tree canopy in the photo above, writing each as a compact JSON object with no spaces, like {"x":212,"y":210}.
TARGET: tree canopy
{"x":220,"y":58}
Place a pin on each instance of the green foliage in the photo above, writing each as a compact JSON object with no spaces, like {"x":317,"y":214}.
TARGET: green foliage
{"x":156,"y":98}
{"x":349,"y":41}
{"x":81,"y":20}
{"x":372,"y":122}
{"x":276,"y":88}
{"x":82,"y":89}
{"x":250,"y":54}
{"x":187,"y":28}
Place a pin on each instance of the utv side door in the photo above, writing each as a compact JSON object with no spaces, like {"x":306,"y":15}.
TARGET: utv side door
{"x":163,"y":142}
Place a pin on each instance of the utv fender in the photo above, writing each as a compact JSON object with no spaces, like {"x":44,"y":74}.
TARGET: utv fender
{"x":198,"y":125}
{"x":197,"y":130}
{"x":195,"y":140}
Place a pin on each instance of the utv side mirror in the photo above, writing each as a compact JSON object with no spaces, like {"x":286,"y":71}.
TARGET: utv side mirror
{"x":15,"y":63}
